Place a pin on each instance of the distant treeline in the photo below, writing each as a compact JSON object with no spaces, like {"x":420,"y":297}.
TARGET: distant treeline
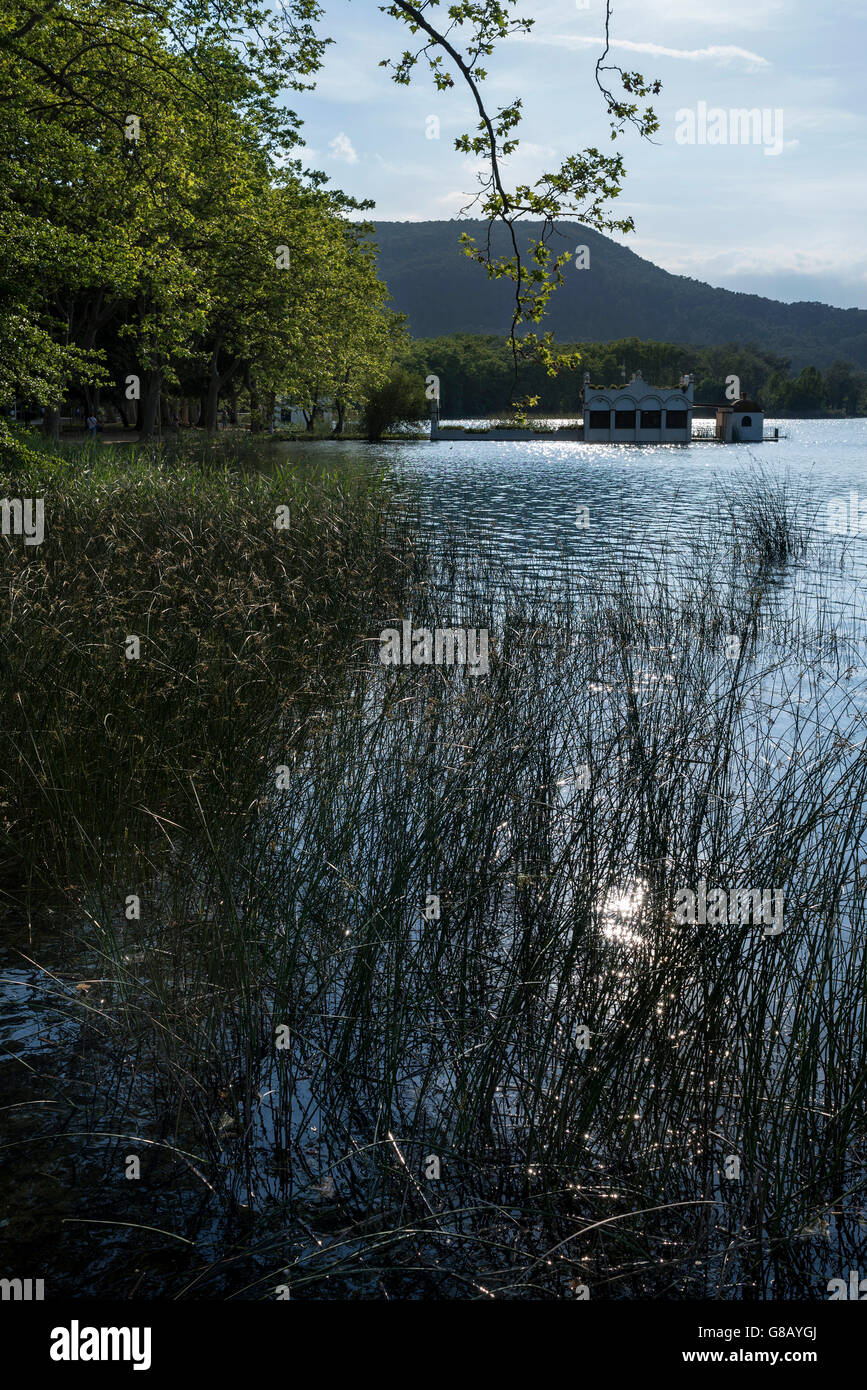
{"x":476,"y":375}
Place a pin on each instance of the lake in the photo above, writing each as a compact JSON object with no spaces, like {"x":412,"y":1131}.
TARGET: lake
{"x":493,"y":1033}
{"x":525,"y":496}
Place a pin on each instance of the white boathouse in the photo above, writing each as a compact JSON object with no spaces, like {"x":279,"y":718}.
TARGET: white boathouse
{"x":637,"y":413}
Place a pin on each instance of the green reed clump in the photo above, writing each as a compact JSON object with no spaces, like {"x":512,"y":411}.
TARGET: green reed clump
{"x":175,"y":610}
{"x":772,"y":518}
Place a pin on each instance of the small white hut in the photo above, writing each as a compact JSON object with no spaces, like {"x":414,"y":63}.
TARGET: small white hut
{"x":740,"y":423}
{"x":637,"y":413}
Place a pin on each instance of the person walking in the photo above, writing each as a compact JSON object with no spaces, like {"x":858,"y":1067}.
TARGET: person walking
{"x":92,"y":424}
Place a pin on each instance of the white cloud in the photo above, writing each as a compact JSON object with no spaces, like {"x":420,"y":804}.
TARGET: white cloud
{"x":304,"y":153}
{"x":341,"y":148}
{"x":720,"y":263}
{"x":721,"y":55}
{"x":534,"y":151}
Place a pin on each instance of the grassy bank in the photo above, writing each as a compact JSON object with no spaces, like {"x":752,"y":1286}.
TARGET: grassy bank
{"x":181,"y":602}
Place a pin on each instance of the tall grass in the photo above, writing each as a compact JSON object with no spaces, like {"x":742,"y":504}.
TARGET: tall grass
{"x":772,"y":517}
{"x":236,"y":618}
{"x":293,"y":1041}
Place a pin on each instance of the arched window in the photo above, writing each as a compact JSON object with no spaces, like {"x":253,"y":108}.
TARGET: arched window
{"x":747,"y":420}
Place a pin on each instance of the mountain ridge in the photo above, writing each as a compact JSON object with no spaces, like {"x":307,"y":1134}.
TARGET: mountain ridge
{"x":620,"y":295}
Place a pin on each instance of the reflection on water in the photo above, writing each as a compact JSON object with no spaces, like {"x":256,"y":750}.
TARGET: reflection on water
{"x":620,"y":913}
{"x":525,"y":496}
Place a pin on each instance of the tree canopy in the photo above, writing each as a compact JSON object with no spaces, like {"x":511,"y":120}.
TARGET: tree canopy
{"x":159,"y":232}
{"x":475,"y":374}
{"x":162,"y":236}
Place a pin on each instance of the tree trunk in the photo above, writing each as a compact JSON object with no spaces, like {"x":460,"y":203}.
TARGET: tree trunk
{"x":51,"y":422}
{"x":341,"y":415}
{"x":211,"y":397}
{"x":255,"y":410}
{"x":211,"y":403}
{"x":150,"y":403}
{"x":123,"y":404}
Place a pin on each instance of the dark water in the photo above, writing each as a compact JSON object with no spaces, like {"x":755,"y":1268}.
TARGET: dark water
{"x":645,"y":505}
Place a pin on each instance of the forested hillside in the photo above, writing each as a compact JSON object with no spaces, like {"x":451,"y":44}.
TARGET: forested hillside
{"x":476,"y":375}
{"x":619,"y":295}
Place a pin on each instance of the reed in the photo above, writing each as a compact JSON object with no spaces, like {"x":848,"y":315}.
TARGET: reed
{"x":388,"y":953}
{"x":772,"y":516}
{"x":238,"y":585}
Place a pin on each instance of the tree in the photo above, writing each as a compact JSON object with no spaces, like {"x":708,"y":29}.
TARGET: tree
{"x":342,"y":330}
{"x":149,"y":191}
{"x":581,"y":187}
{"x":149,"y":186}
{"x":807,"y":392}
{"x":400,"y":399}
{"x":843,"y":388}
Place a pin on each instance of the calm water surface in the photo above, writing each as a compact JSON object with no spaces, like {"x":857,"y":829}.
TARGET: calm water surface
{"x":525,"y":496}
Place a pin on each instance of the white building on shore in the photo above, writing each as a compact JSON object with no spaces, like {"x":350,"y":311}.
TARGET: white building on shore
{"x":637,"y":413}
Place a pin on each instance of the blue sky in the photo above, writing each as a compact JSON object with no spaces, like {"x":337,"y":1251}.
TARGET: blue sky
{"x":788,"y":224}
